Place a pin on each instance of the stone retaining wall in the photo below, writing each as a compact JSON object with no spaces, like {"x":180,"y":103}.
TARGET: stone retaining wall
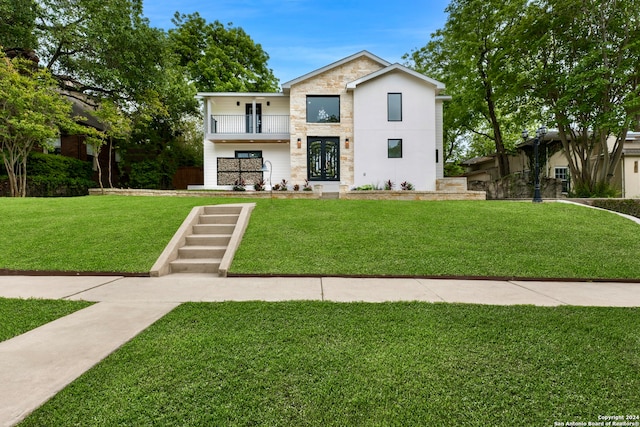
{"x":413,"y":195}
{"x":316,"y":194}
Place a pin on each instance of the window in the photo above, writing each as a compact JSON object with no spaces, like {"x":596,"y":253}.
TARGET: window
{"x":323,"y":109}
{"x":394,"y":107}
{"x":248,"y":154}
{"x":563,"y":174}
{"x":394,"y":149}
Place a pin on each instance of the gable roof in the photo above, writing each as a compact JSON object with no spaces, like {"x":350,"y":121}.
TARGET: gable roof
{"x":397,"y":67}
{"x":286,"y":86}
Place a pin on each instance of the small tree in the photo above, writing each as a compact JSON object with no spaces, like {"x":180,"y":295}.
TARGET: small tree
{"x":31,"y":112}
{"x":116,"y":126}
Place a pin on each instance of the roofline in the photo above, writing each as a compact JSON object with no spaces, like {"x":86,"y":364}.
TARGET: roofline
{"x":396,"y":67}
{"x":287,"y":85}
{"x":240,"y":94}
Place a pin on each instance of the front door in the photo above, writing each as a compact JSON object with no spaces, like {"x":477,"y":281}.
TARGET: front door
{"x":249,"y":118}
{"x":323,"y":158}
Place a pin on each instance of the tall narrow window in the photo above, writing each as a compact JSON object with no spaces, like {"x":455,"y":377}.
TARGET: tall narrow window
{"x":563,"y":175}
{"x":394,"y":107}
{"x":394,"y":148}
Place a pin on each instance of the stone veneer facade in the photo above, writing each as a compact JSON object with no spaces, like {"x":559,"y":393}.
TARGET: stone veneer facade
{"x":330,"y":82}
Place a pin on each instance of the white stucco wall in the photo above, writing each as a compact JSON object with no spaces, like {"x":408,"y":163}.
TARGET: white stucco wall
{"x":417,"y":131}
{"x":632,"y":177}
{"x":277,"y":154}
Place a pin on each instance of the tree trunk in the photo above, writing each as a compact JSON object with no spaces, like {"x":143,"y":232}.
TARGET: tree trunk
{"x":110,"y":158}
{"x":96,"y":159}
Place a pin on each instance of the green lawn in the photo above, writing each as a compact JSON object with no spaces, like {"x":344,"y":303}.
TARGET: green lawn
{"x":107,"y":234}
{"x":329,"y":364}
{"x":18,"y":316}
{"x":330,"y":237}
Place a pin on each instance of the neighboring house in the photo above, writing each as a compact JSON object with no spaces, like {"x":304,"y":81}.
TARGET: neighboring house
{"x":75,"y":145}
{"x":358,"y":121}
{"x":554,"y":164}
{"x":630,"y":173}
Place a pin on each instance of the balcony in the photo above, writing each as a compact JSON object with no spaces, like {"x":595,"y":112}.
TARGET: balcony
{"x":243,"y":127}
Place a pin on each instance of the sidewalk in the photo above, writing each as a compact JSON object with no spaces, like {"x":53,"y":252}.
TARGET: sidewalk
{"x":36,"y":365}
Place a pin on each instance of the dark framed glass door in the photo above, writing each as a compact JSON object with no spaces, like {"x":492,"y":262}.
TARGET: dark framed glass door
{"x":249,"y":118}
{"x":323,"y":158}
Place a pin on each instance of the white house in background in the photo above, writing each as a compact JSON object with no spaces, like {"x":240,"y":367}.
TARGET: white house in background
{"x":630,"y":169}
{"x":358,"y":121}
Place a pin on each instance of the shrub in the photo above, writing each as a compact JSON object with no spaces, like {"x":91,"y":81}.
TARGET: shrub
{"x":259,"y":186}
{"x":51,"y":175}
{"x":283,"y":185}
{"x":407,"y":186}
{"x":601,"y":190}
{"x":306,"y":186}
{"x":388,"y":185}
{"x":625,"y":206}
{"x":146,"y":174}
{"x":239,"y":185}
{"x":367,"y":187}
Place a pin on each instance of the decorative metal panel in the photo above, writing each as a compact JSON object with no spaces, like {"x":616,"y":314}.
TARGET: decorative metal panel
{"x":232,"y":170}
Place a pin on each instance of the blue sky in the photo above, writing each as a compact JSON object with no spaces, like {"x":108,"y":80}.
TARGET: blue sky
{"x":301,"y":36}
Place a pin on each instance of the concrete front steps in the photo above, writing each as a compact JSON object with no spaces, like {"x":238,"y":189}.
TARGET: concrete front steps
{"x":206,"y":241}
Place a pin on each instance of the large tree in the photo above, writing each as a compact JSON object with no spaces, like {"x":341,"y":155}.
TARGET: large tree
{"x":587,"y":72}
{"x":103,"y":48}
{"x":31,"y":112}
{"x":471,"y":55}
{"x":220,"y":58}
{"x":17,"y":22}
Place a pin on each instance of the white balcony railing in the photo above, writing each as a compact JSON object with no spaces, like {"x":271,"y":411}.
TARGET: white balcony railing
{"x":248,"y":124}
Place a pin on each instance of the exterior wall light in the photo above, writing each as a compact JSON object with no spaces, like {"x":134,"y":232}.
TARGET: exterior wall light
{"x":346,"y":143}
{"x":299,"y":143}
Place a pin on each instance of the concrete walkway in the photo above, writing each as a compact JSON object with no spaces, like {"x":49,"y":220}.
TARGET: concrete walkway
{"x":36,"y":365}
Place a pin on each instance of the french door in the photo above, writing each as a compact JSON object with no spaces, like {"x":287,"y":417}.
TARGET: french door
{"x":323,"y":158}
{"x":249,"y":118}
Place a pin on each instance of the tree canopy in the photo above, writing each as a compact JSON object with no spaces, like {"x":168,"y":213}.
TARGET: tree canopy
{"x":106,"y":52}
{"x":587,"y":74}
{"x":219,"y":58}
{"x":569,"y":64}
{"x":31,"y":112}
{"x":472,"y":56}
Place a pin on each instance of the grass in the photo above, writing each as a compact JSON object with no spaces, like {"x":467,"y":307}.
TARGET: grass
{"x":328,"y":364}
{"x":330,"y":237}
{"x":18,"y":316}
{"x":438,"y":238}
{"x":99,"y":234}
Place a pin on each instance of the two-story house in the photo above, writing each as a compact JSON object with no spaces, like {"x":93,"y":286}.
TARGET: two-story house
{"x":358,"y":121}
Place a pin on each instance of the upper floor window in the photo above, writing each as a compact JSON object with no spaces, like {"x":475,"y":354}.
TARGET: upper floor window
{"x":323,"y":109}
{"x":394,"y":107}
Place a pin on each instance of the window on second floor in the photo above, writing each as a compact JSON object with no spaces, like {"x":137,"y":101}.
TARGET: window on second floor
{"x":323,"y":109}
{"x":394,"y":107}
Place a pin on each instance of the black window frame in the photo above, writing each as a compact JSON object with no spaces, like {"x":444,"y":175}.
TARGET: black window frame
{"x":394,"y":117}
{"x":257,"y":154}
{"x":331,"y":118}
{"x":389,"y":148}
